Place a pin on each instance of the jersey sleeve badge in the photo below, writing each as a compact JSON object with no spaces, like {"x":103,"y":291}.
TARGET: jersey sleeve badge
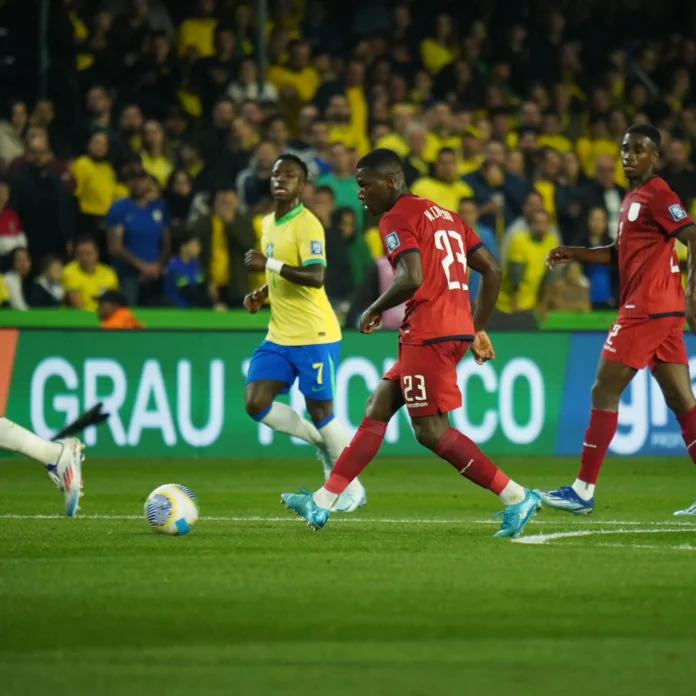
{"x":392,"y":241}
{"x":315,"y":248}
{"x":677,"y":212}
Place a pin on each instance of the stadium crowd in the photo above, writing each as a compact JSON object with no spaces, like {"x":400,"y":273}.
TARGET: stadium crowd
{"x":144,"y":164}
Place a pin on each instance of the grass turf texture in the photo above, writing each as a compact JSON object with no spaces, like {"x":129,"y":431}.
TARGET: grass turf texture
{"x":412,"y":596}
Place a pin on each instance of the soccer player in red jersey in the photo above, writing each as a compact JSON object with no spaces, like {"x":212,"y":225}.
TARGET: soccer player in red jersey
{"x":429,"y":248}
{"x":649,"y":328}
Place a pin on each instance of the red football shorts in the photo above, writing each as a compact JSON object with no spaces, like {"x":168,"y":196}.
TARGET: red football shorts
{"x":647,"y":341}
{"x":428,"y":377}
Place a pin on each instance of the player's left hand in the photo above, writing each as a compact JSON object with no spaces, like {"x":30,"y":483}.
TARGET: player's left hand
{"x":482,"y":348}
{"x":254,"y":260}
{"x":369,"y":321}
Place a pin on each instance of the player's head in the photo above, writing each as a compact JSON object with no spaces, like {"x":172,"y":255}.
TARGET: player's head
{"x":640,"y":150}
{"x":380,"y":176}
{"x":288,"y":178}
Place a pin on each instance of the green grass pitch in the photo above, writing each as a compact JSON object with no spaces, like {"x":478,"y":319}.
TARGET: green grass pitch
{"x":411,"y":596}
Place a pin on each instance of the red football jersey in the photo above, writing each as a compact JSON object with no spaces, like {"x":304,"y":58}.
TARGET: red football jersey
{"x":440,"y":310}
{"x":649,"y":274}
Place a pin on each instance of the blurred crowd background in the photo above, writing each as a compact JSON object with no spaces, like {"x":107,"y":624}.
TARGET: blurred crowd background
{"x":138,"y":136}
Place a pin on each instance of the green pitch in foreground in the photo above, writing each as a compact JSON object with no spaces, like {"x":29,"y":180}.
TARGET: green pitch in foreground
{"x":410,"y":596}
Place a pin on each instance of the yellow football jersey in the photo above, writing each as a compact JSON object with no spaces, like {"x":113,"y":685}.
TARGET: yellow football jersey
{"x":300,"y":315}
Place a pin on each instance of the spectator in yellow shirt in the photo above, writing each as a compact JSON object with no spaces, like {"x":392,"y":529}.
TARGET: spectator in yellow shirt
{"x":545,"y":180}
{"x":551,"y":135}
{"x":153,"y":156}
{"x":525,"y":272}
{"x":197,"y":34}
{"x":441,"y":48}
{"x":297,"y":81}
{"x":439,"y":121}
{"x":85,"y":278}
{"x":444,"y":188}
{"x":96,"y":188}
{"x":341,"y":129}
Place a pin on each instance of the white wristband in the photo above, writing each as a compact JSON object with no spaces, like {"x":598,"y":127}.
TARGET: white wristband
{"x":274,"y":265}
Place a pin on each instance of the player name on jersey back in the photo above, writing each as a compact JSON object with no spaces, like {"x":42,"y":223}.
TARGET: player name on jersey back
{"x":650,"y":278}
{"x":441,"y":308}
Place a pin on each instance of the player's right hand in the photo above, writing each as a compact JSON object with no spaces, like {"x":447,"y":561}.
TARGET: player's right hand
{"x":253,"y":301}
{"x":482,"y":348}
{"x":369,"y":321}
{"x":559,"y":255}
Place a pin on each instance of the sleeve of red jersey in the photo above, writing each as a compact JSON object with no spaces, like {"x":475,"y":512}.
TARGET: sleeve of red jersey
{"x":398,"y":237}
{"x":669,"y":213}
{"x":472,"y":242}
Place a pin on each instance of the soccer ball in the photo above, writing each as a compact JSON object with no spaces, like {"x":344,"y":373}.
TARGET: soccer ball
{"x":171,"y":509}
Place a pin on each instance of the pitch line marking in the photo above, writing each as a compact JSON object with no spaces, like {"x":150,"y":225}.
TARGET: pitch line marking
{"x":383,"y":520}
{"x":541,"y":539}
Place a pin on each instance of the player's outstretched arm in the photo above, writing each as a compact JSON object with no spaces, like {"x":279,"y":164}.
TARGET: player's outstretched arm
{"x":599,"y":255}
{"x":687,"y":237}
{"x":406,"y":281}
{"x":311,"y":276}
{"x":491,"y":279}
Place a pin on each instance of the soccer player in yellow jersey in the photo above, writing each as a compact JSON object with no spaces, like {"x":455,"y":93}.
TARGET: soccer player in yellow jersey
{"x":304,"y":337}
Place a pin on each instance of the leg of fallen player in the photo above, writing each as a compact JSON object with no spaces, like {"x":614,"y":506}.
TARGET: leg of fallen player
{"x":384,"y":402}
{"x":675,"y":383}
{"x":63,"y":460}
{"x":611,"y":381}
{"x":521,"y":504}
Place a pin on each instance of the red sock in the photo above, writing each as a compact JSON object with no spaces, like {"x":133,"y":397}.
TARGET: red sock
{"x":360,"y":452}
{"x":463,"y":454}
{"x":688,"y":427}
{"x":598,"y":437}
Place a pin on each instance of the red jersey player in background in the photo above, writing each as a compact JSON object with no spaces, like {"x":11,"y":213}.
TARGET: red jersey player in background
{"x":649,"y":328}
{"x":429,"y":248}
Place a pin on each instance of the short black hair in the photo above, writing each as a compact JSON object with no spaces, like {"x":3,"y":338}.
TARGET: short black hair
{"x":324,"y":189}
{"x":446,"y":151}
{"x":288,"y":157}
{"x":47,"y":260}
{"x":383,"y":161}
{"x":648,"y":131}
{"x":85,"y":239}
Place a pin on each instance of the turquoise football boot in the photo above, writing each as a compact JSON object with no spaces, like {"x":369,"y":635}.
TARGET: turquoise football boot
{"x":516,"y":516}
{"x":303,"y":504}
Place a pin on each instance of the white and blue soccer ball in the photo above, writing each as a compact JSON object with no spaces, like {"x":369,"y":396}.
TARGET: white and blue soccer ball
{"x":171,"y":509}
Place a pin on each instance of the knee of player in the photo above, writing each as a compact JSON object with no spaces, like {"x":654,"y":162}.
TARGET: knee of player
{"x":604,"y":396}
{"x":426,"y":434}
{"x":256,"y":401}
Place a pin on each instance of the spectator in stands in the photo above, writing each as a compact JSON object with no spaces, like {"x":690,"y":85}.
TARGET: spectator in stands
{"x":17,"y":279}
{"x":679,"y":174}
{"x":532,"y":203}
{"x":129,"y":135}
{"x":184,"y":281}
{"x":440,"y":48}
{"x":11,"y":233}
{"x":568,"y":201}
{"x":545,"y":177}
{"x":468,"y":211}
{"x":4,"y":295}
{"x":551,"y":135}
{"x":225,"y":234}
{"x":344,"y":227}
{"x":97,"y":189}
{"x":296,"y":81}
{"x":342,"y":182}
{"x":85,"y":278}
{"x":445,"y":187}
{"x":42,"y":202}
{"x":128,"y":32}
{"x":98,"y":105}
{"x":179,"y":195}
{"x":155,"y":78}
{"x":113,"y":312}
{"x":568,"y":293}
{"x":525,"y":272}
{"x":211,"y":76}
{"x":254,"y":182}
{"x":139,"y":239}
{"x":197,"y":33}
{"x":602,"y":192}
{"x":46,"y":291}
{"x":498,"y":193}
{"x":414,"y":164}
{"x":246,"y":86}
{"x":12,"y":133}
{"x":153,"y":154}
{"x":39,"y":135}
{"x":602,"y":282}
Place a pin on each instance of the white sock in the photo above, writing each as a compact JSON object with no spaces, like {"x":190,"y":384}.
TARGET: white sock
{"x":284,"y":420}
{"x":324,"y":499}
{"x":336,"y":440}
{"x":15,"y":438}
{"x":584,"y":490}
{"x":512,"y":494}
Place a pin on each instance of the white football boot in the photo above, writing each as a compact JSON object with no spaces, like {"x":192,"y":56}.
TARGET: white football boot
{"x":355,"y":495}
{"x":66,"y":473}
{"x":689,"y":511}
